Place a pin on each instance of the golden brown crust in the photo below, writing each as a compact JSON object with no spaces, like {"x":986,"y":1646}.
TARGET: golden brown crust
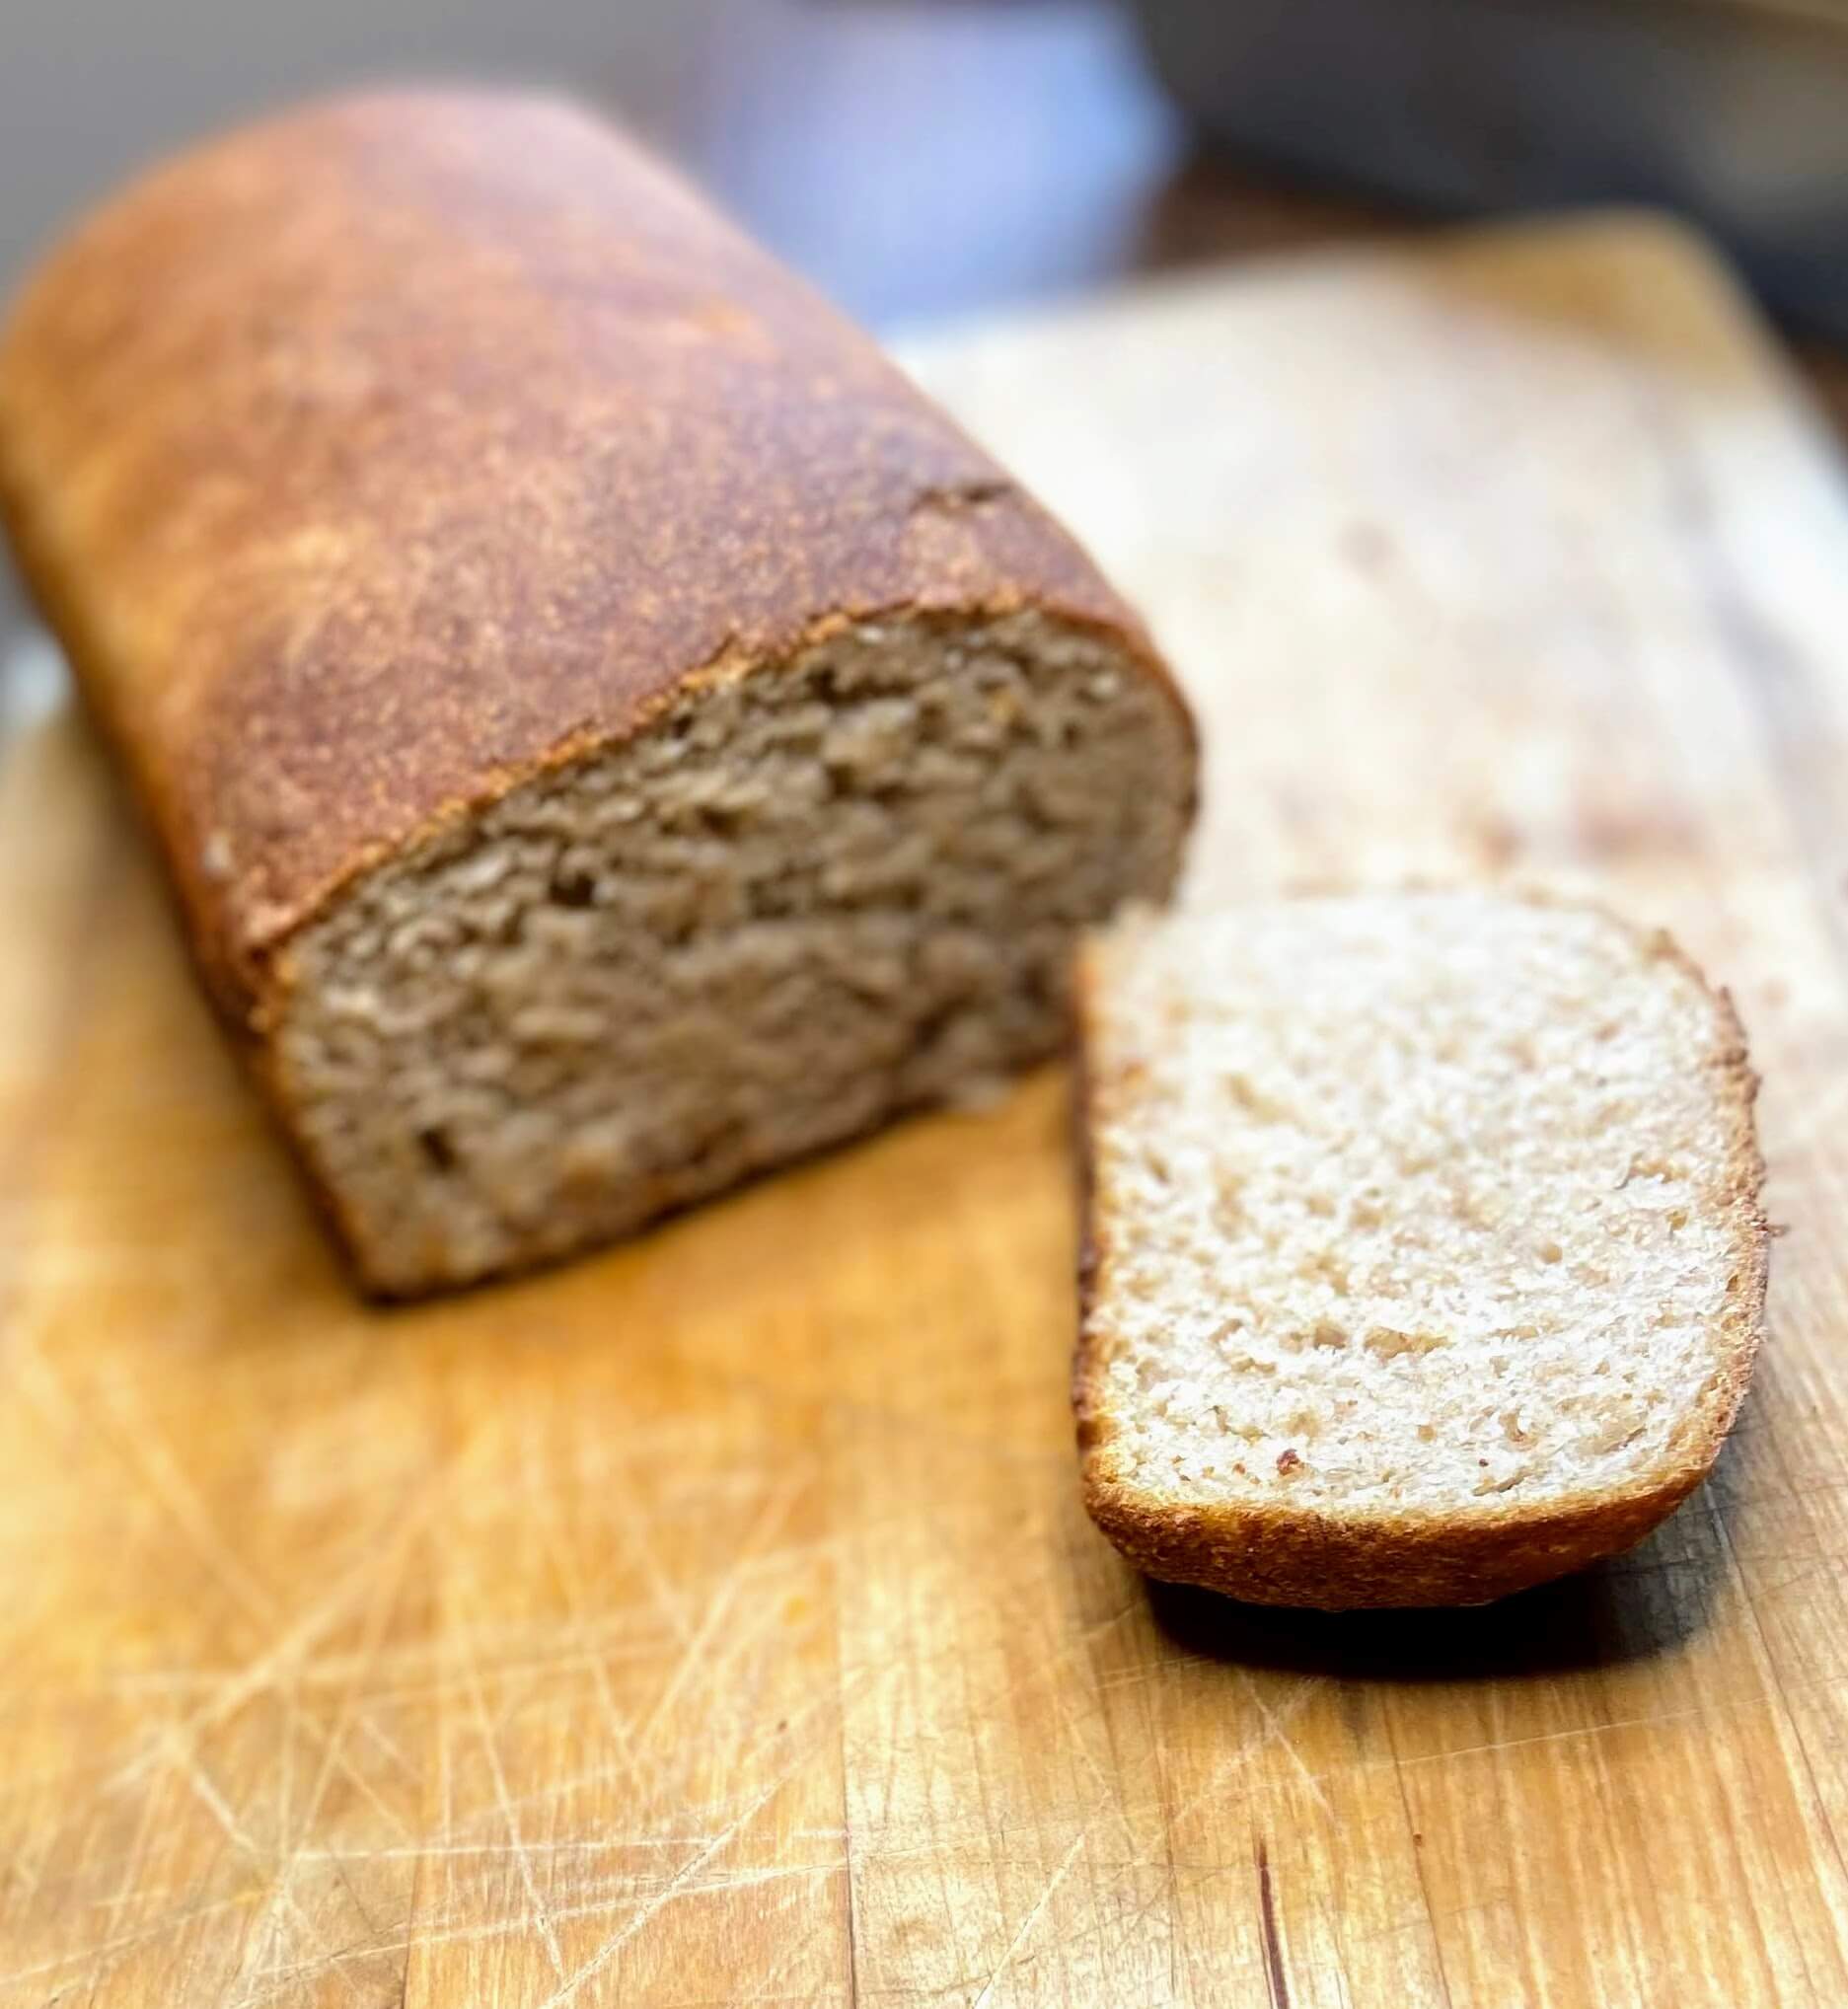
{"x":373,"y":458}
{"x":1303,"y":1556}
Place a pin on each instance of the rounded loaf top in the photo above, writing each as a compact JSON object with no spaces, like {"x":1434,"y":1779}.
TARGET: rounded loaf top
{"x":378,"y":455}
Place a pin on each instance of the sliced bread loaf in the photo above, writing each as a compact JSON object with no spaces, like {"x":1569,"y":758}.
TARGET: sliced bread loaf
{"x":609,"y":733}
{"x":1424,"y":1257}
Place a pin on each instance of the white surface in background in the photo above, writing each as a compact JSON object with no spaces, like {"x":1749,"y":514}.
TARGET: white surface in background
{"x":34,"y":681}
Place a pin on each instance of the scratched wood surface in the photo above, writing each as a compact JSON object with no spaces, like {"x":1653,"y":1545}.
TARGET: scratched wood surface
{"x":715,"y":1622}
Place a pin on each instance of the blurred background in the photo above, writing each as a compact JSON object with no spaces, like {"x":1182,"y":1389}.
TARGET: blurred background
{"x":918,"y":158}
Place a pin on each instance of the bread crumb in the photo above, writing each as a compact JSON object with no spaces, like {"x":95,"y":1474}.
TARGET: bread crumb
{"x":1389,"y":1344}
{"x":790,"y":908}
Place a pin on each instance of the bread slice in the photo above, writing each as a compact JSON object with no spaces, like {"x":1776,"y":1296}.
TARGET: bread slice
{"x":609,"y":733}
{"x":1423,"y":1250}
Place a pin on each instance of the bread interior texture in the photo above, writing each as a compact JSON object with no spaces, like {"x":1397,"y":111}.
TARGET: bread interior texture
{"x":797,"y":902}
{"x":1437,"y":1204}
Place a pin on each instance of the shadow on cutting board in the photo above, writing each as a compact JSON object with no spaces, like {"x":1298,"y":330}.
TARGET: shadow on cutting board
{"x":1636,"y":1607}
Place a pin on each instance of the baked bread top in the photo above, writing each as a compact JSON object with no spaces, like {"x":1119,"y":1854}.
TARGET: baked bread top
{"x":380,"y":456}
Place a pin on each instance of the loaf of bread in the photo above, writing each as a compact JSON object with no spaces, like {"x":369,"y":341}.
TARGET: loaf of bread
{"x":1424,"y":1257}
{"x":607,"y":732}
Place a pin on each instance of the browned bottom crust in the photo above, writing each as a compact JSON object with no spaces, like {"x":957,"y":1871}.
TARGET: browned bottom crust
{"x":1316,"y":1561}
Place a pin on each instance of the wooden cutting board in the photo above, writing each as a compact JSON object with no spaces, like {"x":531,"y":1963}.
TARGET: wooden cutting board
{"x":717,"y":1621}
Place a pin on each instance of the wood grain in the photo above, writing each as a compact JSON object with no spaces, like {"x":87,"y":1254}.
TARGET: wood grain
{"x":717,"y":1621}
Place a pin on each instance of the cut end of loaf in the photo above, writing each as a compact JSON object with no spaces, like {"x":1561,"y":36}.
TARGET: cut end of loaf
{"x":1425,"y":1257}
{"x":798,"y":903}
